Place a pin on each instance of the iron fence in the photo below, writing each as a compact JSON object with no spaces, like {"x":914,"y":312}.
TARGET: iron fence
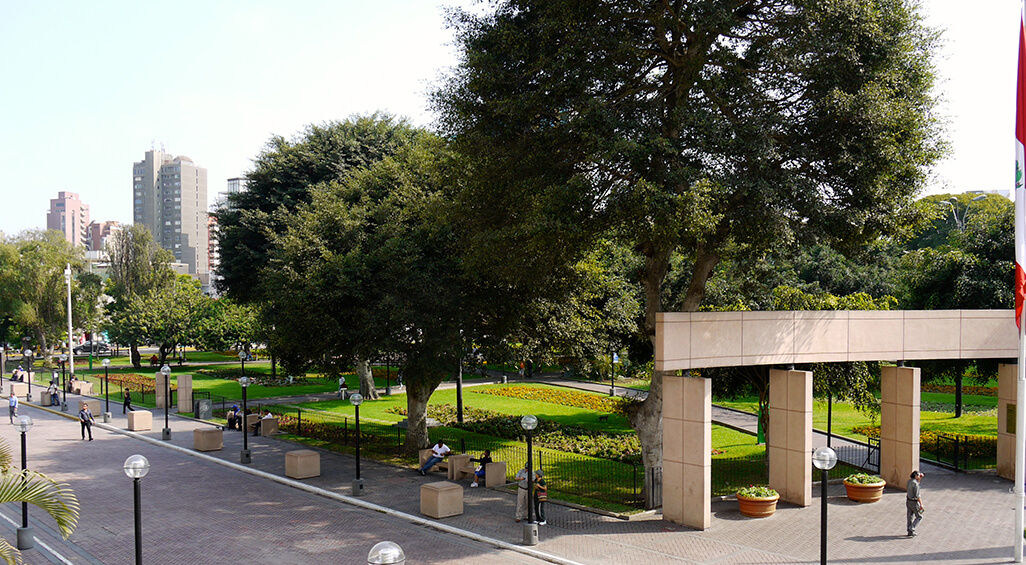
{"x":960,"y":452}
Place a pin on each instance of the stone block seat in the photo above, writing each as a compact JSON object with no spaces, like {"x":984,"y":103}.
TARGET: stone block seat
{"x":140,"y":420}
{"x":94,"y":406}
{"x":82,"y":387}
{"x":302,"y":464}
{"x":19,"y":389}
{"x":207,"y":439}
{"x":495,"y":473}
{"x":441,"y":499}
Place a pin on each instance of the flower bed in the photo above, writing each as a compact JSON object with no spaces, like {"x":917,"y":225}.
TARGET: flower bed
{"x":570,"y":439}
{"x":563,"y":397}
{"x":950,"y":389}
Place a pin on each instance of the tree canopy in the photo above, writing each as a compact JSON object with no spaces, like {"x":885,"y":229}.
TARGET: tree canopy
{"x":283,"y":174}
{"x":712,"y":128}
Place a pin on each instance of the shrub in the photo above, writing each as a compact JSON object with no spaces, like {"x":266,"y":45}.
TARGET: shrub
{"x":754,"y":491}
{"x":863,"y":479}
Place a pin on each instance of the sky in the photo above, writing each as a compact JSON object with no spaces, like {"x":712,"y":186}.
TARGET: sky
{"x":88,"y":87}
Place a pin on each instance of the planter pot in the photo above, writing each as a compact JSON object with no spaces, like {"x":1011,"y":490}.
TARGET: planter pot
{"x":864,"y":493}
{"x":758,"y":507}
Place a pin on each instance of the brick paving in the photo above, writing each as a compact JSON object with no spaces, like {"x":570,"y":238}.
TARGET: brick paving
{"x":206,"y":508}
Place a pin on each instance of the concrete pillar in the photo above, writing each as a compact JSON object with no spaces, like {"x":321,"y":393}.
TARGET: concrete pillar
{"x":899,"y":424}
{"x":687,"y":451}
{"x":1008,"y":388}
{"x":184,"y":393}
{"x":789,"y":445}
{"x":158,"y":380}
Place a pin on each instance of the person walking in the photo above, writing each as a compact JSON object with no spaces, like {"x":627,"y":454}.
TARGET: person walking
{"x":541,"y":495}
{"x":85,"y":416}
{"x":127,"y":406}
{"x":12,"y":406}
{"x":521,"y":478}
{"x":914,"y":502}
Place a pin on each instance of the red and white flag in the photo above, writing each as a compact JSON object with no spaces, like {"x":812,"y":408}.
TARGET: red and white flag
{"x":1020,"y":177}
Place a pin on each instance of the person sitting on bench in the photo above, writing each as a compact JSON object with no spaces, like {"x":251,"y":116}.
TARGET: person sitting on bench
{"x":234,"y":418}
{"x":438,"y":452}
{"x":479,"y":473}
{"x":256,"y":425}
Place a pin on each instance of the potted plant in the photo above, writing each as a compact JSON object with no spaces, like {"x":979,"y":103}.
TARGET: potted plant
{"x":864,"y":488}
{"x":757,"y":501}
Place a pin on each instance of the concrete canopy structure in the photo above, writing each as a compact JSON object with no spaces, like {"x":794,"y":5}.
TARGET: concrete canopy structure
{"x":698,"y":340}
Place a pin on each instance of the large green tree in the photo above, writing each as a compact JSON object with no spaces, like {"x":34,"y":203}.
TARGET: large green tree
{"x":34,"y":290}
{"x":370,"y":266}
{"x":710,"y":128}
{"x":168,"y":316}
{"x":138,"y":268}
{"x":280,"y":182}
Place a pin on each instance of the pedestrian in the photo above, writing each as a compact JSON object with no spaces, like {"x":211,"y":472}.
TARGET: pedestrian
{"x":127,"y":406}
{"x":85,"y":416}
{"x":541,"y":495}
{"x":439,"y":451}
{"x":521,"y":477}
{"x":12,"y":406}
{"x":234,"y":418}
{"x":52,"y":391}
{"x":914,"y":502}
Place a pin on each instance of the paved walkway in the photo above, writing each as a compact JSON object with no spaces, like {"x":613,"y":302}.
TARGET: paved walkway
{"x":206,"y":508}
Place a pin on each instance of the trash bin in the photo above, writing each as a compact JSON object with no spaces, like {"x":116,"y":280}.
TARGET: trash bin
{"x":203,"y":408}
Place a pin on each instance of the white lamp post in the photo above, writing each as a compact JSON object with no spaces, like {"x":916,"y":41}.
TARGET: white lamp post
{"x":386,"y":553}
{"x":28,"y":365}
{"x":136,"y":467}
{"x":824,"y":459}
{"x":106,"y":388}
{"x":71,"y":340}
{"x":64,"y":383}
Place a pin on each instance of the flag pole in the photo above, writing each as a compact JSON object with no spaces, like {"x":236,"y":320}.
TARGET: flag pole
{"x":1020,"y":286}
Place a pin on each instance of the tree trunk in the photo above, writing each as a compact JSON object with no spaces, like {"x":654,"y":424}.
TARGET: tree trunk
{"x":366,"y":375}
{"x":417,"y":396}
{"x":136,"y":357}
{"x":647,"y":419}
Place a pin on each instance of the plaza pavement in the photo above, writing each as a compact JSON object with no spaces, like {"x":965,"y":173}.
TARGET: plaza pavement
{"x":206,"y":508}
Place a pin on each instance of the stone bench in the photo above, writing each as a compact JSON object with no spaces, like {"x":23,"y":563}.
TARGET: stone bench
{"x":441,"y":499}
{"x":302,"y":464}
{"x":19,"y":389}
{"x":140,"y":420}
{"x":424,"y":454}
{"x":207,"y":439}
{"x":495,"y":473}
{"x":82,"y":387}
{"x":44,"y":398}
{"x":268,"y":426}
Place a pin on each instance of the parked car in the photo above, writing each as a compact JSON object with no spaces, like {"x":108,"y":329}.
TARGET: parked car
{"x":97,"y":348}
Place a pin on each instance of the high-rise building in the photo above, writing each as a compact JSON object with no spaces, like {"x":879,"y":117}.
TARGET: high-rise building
{"x":170,"y":198}
{"x":70,"y":216}
{"x":99,"y":232}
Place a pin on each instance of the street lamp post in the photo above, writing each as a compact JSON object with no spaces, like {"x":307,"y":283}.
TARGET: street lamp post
{"x":71,"y":352}
{"x":166,"y":371}
{"x":245,"y":457}
{"x":136,"y":467}
{"x":386,"y":553}
{"x":824,"y":459}
{"x":953,"y":201}
{"x":25,"y":540}
{"x":106,"y":388}
{"x":529,"y":423}
{"x":356,"y":400}
{"x":28,"y":367}
{"x":612,"y":373}
{"x":388,"y":381}
{"x":64,"y":383}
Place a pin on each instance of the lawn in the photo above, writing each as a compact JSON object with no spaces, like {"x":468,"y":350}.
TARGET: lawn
{"x":845,"y":417}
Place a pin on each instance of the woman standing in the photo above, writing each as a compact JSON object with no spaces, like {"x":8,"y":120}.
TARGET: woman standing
{"x":541,"y":495}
